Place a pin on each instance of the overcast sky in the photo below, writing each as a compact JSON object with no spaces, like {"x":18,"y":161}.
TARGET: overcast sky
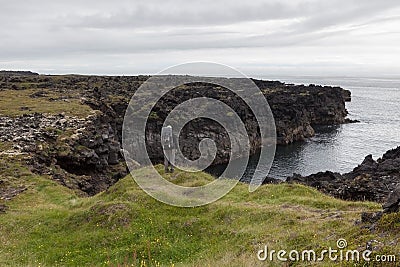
{"x":293,"y":37}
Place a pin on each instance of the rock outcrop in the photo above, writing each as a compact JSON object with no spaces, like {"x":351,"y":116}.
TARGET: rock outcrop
{"x":82,"y":154}
{"x":296,"y":109}
{"x":371,"y":180}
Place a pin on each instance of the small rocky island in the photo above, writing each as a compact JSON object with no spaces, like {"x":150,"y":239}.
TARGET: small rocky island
{"x":69,"y":126}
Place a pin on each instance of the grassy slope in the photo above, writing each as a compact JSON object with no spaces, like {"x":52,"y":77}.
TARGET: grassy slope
{"x":49,"y":225}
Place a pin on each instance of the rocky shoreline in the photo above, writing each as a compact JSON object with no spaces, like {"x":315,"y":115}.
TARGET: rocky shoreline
{"x":84,"y":153}
{"x":371,"y":180}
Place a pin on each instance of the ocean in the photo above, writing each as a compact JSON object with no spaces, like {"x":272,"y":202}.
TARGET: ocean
{"x":375,"y":103}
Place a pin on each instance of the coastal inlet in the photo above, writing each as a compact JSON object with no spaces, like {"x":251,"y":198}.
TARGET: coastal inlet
{"x":80,"y":145}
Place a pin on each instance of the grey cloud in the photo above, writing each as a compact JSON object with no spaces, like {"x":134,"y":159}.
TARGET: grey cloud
{"x":188,"y":14}
{"x":68,"y":29}
{"x":378,"y":21}
{"x":317,"y":14}
{"x":339,"y":12}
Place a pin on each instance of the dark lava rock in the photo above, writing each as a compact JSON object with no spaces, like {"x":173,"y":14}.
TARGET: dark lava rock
{"x":371,"y":180}
{"x":81,"y":154}
{"x":3,"y":208}
{"x":371,"y":217}
{"x":393,"y":202}
{"x":317,"y":179}
{"x":346,"y":95}
{"x":347,"y":120}
{"x":270,"y":180}
{"x":368,"y":166}
{"x":392,"y":205}
{"x":8,"y":193}
{"x":38,"y":94}
{"x":296,"y":109}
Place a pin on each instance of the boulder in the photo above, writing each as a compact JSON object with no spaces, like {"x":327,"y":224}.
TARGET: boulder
{"x":368,"y":165}
{"x":114,"y":152}
{"x":393,"y":202}
{"x":270,"y":180}
{"x":3,"y":208}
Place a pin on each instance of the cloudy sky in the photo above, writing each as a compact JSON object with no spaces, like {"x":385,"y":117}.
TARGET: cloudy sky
{"x":293,"y":37}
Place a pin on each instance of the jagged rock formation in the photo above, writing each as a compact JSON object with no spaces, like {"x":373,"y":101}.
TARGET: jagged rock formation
{"x":85,"y":153}
{"x":371,"y":180}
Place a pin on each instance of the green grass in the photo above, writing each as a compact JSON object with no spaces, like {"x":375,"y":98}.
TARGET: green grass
{"x":49,"y":225}
{"x":28,"y":105}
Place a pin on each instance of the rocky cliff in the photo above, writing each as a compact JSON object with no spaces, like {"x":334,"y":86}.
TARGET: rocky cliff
{"x":70,"y":126}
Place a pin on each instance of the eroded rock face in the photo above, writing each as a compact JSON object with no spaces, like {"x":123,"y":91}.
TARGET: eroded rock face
{"x":371,"y":180}
{"x":295,"y":109}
